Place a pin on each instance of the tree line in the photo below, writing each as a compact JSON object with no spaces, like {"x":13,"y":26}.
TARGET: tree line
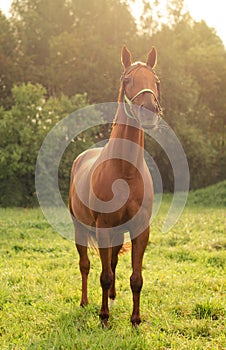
{"x":59,"y":56}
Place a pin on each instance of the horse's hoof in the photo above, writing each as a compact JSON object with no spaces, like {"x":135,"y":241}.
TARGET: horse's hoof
{"x":135,"y":322}
{"x":84,"y":303}
{"x":135,"y":325}
{"x":104,"y":323}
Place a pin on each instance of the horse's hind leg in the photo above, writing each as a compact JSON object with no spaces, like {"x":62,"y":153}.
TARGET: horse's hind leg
{"x":136,"y":281}
{"x":81,"y":236}
{"x":84,"y":265}
{"x":106,"y":277}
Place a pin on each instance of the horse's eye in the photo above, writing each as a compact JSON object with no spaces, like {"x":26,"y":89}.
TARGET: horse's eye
{"x":126,"y":80}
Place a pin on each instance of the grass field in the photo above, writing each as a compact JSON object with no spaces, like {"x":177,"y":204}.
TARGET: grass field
{"x":182,"y":302}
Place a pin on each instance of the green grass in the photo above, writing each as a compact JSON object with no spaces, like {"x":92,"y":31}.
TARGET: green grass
{"x":213,"y":196}
{"x":182,"y":301}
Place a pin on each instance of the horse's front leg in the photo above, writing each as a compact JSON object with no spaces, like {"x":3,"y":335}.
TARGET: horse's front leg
{"x":84,"y":266}
{"x":136,"y":281}
{"x":106,"y":279}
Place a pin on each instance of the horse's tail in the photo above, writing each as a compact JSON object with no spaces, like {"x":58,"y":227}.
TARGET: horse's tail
{"x":92,"y":241}
{"x":126,"y":247}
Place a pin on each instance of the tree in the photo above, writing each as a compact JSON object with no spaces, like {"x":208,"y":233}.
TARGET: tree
{"x":156,"y":14}
{"x":8,"y":69}
{"x":80,"y":40}
{"x":22,"y":131}
{"x":192,"y":62}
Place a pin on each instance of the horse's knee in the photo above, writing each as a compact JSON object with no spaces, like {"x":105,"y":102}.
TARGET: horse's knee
{"x":84,"y":265}
{"x":106,"y":279}
{"x":136,"y":282}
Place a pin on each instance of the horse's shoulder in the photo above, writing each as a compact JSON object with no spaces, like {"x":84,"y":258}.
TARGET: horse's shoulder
{"x":88,"y":155}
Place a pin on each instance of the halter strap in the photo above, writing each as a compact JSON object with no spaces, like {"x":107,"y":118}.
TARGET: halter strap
{"x":130,"y":104}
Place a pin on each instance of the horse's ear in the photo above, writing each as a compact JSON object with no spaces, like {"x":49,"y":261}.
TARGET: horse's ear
{"x":126,"y":57}
{"x":152,"y":58}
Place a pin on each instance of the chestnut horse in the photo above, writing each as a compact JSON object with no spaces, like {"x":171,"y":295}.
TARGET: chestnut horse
{"x":98,"y":178}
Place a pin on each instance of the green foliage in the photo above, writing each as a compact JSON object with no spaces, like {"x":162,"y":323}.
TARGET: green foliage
{"x":192,"y":62}
{"x":182,"y":300}
{"x":22,"y":131}
{"x":8,"y":70}
{"x":80,"y":40}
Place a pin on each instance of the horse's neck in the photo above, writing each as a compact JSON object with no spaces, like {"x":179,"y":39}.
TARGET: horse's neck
{"x":126,"y":129}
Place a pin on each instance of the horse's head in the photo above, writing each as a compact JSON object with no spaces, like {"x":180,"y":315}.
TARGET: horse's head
{"x":140,"y":87}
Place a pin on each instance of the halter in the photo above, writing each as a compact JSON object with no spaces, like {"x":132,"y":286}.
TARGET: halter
{"x":129,"y":102}
{"x":126,"y":99}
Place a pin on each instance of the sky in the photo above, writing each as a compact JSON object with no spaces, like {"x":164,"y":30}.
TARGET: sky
{"x":212,"y":11}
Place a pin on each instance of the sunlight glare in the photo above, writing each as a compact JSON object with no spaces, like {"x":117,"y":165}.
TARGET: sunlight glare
{"x":212,"y":12}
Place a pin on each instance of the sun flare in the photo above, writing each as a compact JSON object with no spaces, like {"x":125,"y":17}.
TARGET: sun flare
{"x":214,"y":16}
